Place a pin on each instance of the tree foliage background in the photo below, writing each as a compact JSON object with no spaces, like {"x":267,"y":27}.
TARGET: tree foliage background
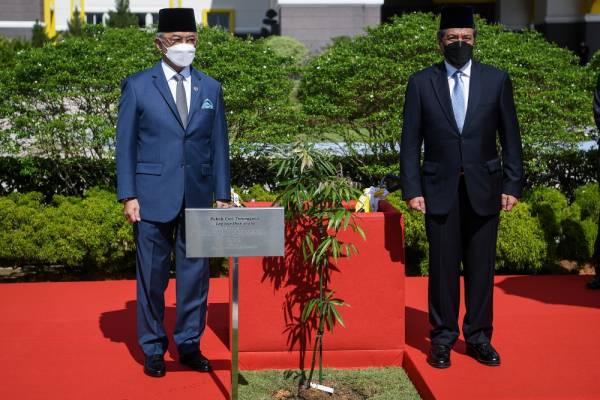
{"x":358,"y":84}
{"x":121,"y":17}
{"x":63,"y":97}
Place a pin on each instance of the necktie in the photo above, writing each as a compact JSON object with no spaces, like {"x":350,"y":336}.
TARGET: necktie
{"x":458,"y":101}
{"x":181,"y":100}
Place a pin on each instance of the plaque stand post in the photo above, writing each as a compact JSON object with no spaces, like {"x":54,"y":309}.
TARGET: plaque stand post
{"x":234,"y":328}
{"x":235,"y":232}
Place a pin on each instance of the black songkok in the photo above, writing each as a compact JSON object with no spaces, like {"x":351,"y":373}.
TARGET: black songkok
{"x":457,"y":17}
{"x":176,"y":20}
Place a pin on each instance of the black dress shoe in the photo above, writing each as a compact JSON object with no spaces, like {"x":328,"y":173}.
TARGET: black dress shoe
{"x":154,"y":366}
{"x":196,"y":361}
{"x":594,"y":283}
{"x":439,"y":356}
{"x":484,"y":353}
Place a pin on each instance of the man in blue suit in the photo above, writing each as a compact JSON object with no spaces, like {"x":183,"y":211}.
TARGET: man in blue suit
{"x":172,"y":153}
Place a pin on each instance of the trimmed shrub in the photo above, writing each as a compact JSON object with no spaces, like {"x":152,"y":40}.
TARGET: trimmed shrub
{"x":570,"y":230}
{"x":415,"y":237}
{"x":587,"y":197}
{"x":249,"y":166}
{"x":288,"y":47}
{"x":520,"y":248}
{"x":89,"y":232}
{"x":85,"y":234}
{"x":9,"y":48}
{"x":71,"y":176}
{"x":256,"y":193}
{"x":550,"y":206}
{"x":521,"y":245}
{"x":579,"y":225}
{"x":577,"y":242}
{"x":565,"y":170}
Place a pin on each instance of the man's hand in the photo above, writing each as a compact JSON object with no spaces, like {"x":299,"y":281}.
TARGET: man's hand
{"x":131,"y":209}
{"x":508,"y":202}
{"x":417,"y":203}
{"x":223,"y":204}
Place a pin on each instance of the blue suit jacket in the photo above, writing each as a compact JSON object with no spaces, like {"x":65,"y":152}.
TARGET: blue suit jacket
{"x":163,"y":163}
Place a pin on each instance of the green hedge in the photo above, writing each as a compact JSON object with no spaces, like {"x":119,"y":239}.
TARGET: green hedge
{"x":86,"y":232}
{"x":73,"y":176}
{"x":90,"y":233}
{"x":542,"y":229}
{"x":87,"y":235}
{"x":521,"y":245}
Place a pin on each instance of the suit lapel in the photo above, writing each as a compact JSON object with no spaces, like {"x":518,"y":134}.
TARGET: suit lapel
{"x":474,"y":93}
{"x":196,"y":88}
{"x":440,"y":86}
{"x":163,"y":87}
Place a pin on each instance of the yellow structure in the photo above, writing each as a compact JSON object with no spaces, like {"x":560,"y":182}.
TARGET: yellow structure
{"x":49,"y":18}
{"x":80,"y":7}
{"x":230,"y":12}
{"x":50,"y":14}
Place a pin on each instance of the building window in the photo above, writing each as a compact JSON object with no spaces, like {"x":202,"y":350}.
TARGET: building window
{"x":225,"y":18}
{"x":94,"y":18}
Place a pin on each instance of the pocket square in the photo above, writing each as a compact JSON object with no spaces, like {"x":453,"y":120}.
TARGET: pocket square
{"x":207,"y":105}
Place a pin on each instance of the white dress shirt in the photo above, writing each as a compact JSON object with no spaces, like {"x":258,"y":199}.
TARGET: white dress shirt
{"x":465,"y":78}
{"x":187,"y":82}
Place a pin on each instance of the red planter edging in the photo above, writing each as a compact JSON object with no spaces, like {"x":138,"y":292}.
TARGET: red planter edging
{"x":371,"y":282}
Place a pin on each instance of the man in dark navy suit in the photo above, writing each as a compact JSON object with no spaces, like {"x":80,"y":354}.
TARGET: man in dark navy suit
{"x":172,"y":153}
{"x":459,"y":109}
{"x":594,"y":283}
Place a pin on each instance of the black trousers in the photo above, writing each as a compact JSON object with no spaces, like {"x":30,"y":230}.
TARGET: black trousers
{"x":464,"y":237}
{"x":596,"y":254}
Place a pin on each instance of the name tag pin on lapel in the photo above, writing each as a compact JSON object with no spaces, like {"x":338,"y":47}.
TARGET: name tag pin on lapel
{"x":195,"y":88}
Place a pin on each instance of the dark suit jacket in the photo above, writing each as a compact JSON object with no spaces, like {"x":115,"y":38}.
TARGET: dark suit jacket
{"x":597,"y":119}
{"x":429,"y":119}
{"x":160,"y":161}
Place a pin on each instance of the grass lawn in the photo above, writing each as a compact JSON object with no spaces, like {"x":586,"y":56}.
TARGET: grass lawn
{"x":372,"y":383}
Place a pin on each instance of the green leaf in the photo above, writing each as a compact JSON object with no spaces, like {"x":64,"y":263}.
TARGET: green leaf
{"x":338,"y":316}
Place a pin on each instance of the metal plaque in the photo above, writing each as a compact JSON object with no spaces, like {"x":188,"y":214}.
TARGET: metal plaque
{"x":234,"y":232}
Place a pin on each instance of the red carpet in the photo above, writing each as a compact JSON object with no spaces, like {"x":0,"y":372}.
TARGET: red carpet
{"x":77,"y":341}
{"x":547,"y":330}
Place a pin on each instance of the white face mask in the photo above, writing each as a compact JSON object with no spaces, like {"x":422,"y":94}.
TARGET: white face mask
{"x":181,"y":54}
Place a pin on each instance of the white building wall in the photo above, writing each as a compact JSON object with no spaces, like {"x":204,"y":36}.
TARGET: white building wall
{"x":248,"y":13}
{"x":559,"y":11}
{"x":316,"y":22}
{"x":515,"y":14}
